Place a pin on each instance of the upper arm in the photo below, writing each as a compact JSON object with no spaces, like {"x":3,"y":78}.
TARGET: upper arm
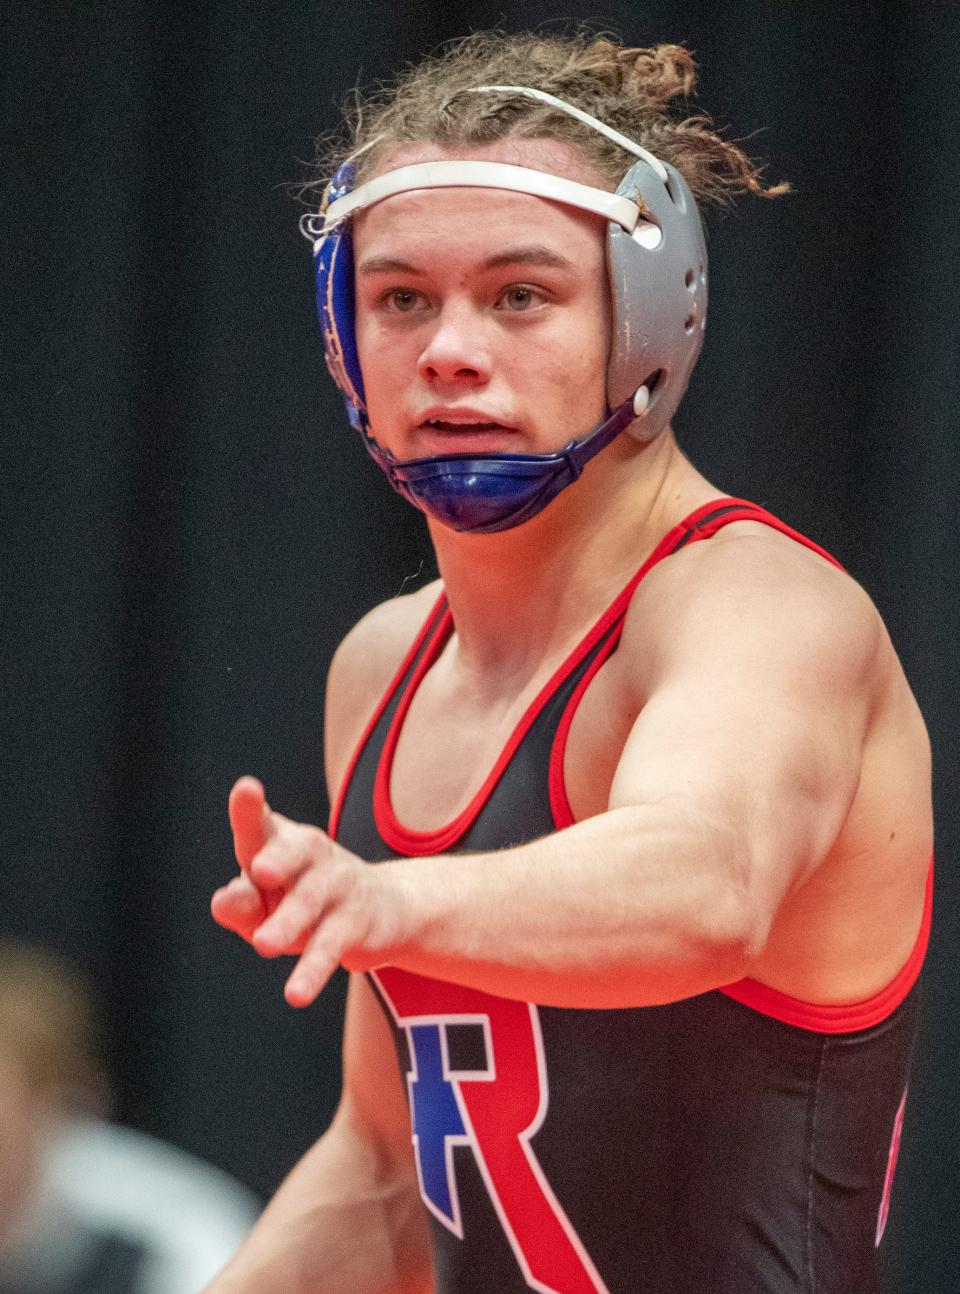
{"x":752,"y":668}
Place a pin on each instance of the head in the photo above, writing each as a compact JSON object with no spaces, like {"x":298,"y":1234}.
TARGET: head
{"x":47,"y":1067}
{"x":488,"y":311}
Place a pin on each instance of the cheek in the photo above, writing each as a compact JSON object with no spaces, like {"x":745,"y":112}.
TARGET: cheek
{"x":574,"y":364}
{"x":366,"y":348}
{"x":380,"y":361}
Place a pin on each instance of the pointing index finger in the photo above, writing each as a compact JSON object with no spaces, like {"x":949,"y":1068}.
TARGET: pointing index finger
{"x":250,"y":819}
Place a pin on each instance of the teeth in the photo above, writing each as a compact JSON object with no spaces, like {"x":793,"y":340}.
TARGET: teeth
{"x":445,"y":424}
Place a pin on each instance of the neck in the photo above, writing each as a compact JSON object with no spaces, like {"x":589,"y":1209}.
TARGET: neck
{"x":522,"y":596}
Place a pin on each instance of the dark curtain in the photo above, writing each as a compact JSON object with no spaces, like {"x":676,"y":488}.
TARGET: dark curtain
{"x":189,"y":526}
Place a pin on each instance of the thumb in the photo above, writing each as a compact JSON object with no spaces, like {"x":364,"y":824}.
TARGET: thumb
{"x":250,"y":819}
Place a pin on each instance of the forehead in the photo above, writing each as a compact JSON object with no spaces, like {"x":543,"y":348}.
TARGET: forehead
{"x":477,"y":220}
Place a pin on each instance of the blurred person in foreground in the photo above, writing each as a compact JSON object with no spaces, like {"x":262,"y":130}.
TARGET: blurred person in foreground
{"x":87,"y":1207}
{"x":634,"y":978}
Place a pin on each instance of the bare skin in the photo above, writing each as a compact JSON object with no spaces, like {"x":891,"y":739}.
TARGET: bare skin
{"x":749,"y":771}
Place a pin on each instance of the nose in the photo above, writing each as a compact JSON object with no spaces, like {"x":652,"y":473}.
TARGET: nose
{"x":457,"y":350}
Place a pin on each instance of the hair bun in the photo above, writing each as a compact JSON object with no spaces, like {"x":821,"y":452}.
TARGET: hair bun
{"x":659,"y":74}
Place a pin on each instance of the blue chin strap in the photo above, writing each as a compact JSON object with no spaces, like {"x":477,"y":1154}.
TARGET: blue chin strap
{"x":483,"y":493}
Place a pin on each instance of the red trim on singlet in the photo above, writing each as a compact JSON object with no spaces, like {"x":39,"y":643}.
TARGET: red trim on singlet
{"x":420,"y":843}
{"x":843,"y":1017}
{"x":848,"y":1017}
{"x":337,"y":806}
{"x":753,"y":512}
{"x":559,"y":804}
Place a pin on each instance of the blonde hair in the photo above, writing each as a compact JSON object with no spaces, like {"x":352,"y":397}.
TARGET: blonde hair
{"x":631,"y":89}
{"x":47,"y":1025}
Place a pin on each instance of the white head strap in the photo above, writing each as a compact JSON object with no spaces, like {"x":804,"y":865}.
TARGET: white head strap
{"x":571,"y":111}
{"x":481,"y":175}
{"x":496,"y":175}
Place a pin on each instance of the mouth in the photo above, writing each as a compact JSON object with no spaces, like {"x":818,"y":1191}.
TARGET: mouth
{"x":463,"y":433}
{"x":445,"y":424}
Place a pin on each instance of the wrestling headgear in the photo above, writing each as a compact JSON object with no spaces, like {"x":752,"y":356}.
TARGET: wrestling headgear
{"x":657,"y":267}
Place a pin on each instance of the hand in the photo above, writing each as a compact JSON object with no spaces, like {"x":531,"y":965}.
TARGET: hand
{"x":300,"y":893}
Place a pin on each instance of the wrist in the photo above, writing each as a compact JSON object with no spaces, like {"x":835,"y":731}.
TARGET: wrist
{"x":402,"y":905}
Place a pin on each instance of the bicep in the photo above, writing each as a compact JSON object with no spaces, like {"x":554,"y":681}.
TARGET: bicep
{"x":755,"y":726}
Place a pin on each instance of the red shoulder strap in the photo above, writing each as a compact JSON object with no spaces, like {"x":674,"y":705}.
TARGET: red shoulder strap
{"x":436,"y":617}
{"x":713,"y":516}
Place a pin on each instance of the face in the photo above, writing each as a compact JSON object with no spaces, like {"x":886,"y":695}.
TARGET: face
{"x":482,"y":315}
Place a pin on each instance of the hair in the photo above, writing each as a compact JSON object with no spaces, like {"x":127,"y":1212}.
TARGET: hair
{"x":47,"y":1025}
{"x":632,"y":89}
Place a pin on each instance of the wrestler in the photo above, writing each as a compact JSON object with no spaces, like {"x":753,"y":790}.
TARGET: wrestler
{"x":630,"y":850}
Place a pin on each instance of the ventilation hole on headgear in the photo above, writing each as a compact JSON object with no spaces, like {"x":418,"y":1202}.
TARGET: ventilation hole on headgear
{"x":691,"y":321}
{"x":691,"y":281}
{"x":648,"y":235}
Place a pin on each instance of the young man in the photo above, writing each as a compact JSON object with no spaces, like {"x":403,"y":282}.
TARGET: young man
{"x":648,"y":790}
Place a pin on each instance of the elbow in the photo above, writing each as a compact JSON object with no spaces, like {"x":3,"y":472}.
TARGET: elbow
{"x":741,"y":944}
{"x":714,"y":944}
{"x":734,"y":928}
{"x":737,"y":904}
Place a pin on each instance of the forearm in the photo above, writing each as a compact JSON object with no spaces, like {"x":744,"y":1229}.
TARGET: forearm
{"x":341,"y":1223}
{"x":632,"y":907}
{"x":636,"y":906}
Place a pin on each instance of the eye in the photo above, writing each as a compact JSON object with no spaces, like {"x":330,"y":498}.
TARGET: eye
{"x":402,"y":300}
{"x":519,"y":298}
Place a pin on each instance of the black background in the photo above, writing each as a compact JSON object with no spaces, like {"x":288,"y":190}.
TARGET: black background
{"x":189,"y":526}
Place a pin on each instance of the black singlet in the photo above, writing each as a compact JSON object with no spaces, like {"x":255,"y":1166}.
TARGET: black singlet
{"x":736,"y":1142}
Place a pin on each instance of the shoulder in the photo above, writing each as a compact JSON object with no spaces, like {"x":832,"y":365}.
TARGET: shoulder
{"x":751,"y":598}
{"x":362,"y":668}
{"x":374,"y":647}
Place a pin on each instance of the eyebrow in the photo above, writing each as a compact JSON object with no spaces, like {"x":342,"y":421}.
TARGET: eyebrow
{"x":528,"y":254}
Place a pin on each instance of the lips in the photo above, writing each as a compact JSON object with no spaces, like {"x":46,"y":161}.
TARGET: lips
{"x":462,"y":430}
{"x":463,"y":421}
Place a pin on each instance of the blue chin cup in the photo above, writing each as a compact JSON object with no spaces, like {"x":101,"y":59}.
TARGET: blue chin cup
{"x":480,"y":494}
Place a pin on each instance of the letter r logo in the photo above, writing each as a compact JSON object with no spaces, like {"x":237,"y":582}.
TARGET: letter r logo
{"x":495,"y":1110}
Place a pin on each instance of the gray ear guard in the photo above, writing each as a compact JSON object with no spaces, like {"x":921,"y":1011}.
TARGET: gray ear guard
{"x":658,"y":290}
